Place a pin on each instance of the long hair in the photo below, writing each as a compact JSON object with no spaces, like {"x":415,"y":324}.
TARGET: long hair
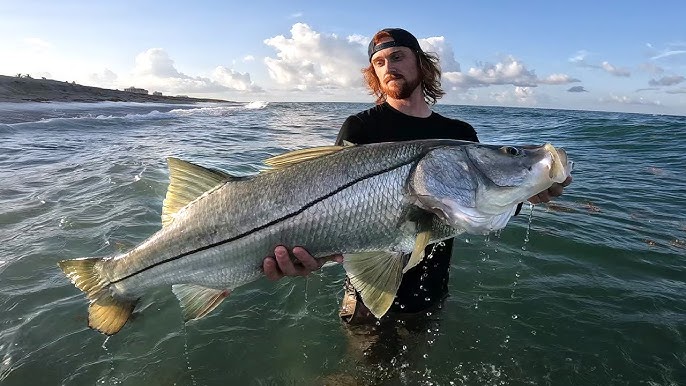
{"x":429,"y":70}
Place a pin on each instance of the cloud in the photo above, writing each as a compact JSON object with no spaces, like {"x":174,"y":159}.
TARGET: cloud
{"x":509,"y":71}
{"x":616,"y":71}
{"x":668,"y":53}
{"x":681,"y":90}
{"x":234,"y":80}
{"x":558,"y":79}
{"x":651,"y":68}
{"x":155,"y":70}
{"x":444,"y":50}
{"x":519,"y":95}
{"x":577,"y":89}
{"x":105,"y":78}
{"x":667,"y":81}
{"x":309,"y":60}
{"x":248,"y":58}
{"x":630,"y":100}
{"x":579,"y":59}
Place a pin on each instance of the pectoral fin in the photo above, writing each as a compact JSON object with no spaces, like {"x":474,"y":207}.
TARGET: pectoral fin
{"x":420,"y":244}
{"x":198,"y":301}
{"x":376,"y":276}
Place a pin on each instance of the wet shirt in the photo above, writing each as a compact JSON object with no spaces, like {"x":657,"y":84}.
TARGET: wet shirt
{"x":427,"y":283}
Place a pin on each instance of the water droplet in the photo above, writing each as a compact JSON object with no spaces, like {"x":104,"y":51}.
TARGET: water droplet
{"x":425,"y":356}
{"x":402,"y":306}
{"x":515,"y":316}
{"x":427,"y":299}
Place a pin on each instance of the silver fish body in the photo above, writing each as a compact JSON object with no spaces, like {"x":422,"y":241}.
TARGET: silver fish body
{"x":376,"y":204}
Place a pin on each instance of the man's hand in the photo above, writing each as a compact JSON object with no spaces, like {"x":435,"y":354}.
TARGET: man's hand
{"x":553,"y":191}
{"x":280,"y":265}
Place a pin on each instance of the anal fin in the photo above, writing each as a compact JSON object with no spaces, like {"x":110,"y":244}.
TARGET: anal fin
{"x":198,"y":301}
{"x":108,"y":314}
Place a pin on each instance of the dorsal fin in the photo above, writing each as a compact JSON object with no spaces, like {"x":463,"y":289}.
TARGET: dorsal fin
{"x":187,"y":182}
{"x":293,"y":157}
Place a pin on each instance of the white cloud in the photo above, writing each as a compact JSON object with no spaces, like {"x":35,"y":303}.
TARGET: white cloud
{"x":579,"y":57}
{"x":156,"y":62}
{"x":309,"y":60}
{"x":510,"y":71}
{"x":616,"y":71}
{"x":234,"y":80}
{"x":627,"y":100}
{"x":523,"y":93}
{"x":444,"y":50}
{"x":681,"y":90}
{"x":155,"y":71}
{"x":558,"y":79}
{"x":248,"y":58}
{"x":668,"y":53}
{"x":106,"y":78}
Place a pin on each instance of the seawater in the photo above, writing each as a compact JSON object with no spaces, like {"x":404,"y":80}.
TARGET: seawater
{"x":589,"y":290}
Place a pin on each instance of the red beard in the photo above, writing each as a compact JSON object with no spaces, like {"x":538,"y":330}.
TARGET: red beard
{"x":401,"y":88}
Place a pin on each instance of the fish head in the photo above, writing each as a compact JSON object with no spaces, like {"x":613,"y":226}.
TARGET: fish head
{"x":476,"y":187}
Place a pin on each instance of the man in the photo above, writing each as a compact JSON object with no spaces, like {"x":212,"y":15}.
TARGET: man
{"x":405,"y":81}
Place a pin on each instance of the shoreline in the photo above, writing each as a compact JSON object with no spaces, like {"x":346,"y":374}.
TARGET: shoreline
{"x":24,"y":90}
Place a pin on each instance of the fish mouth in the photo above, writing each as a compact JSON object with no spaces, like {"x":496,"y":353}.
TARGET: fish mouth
{"x":560,"y":167}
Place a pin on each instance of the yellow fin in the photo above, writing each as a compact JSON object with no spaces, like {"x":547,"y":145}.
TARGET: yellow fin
{"x":187,"y":182}
{"x":420,"y":244}
{"x":376,"y":276}
{"x":297,"y":156}
{"x":108,"y":314}
{"x":198,"y":301}
{"x":105,"y":313}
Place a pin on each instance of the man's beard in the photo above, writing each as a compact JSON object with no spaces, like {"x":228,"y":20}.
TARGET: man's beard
{"x":401,"y":89}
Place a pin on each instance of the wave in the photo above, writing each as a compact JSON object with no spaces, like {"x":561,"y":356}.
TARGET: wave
{"x":133,"y":112}
{"x":256,"y":105}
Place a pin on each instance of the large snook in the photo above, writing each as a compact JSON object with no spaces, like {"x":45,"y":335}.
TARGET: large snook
{"x":376,"y":204}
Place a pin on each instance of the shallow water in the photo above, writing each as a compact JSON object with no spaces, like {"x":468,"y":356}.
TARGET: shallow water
{"x":593,"y":291}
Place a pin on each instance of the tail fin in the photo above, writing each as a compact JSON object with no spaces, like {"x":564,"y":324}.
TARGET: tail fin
{"x":106,"y":313}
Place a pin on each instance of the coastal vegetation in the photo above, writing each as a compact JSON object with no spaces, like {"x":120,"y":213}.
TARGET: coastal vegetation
{"x":25,"y":88}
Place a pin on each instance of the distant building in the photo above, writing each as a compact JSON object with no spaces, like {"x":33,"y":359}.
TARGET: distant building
{"x":182,"y":96}
{"x":137,"y":90}
{"x":157,"y":93}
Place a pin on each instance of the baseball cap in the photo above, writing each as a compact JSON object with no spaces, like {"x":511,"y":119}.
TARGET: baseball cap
{"x":401,"y":38}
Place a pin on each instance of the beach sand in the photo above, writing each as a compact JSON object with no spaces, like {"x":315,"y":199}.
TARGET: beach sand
{"x":15,"y":89}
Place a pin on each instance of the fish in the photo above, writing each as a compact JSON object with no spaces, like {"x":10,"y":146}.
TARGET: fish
{"x":379,"y":205}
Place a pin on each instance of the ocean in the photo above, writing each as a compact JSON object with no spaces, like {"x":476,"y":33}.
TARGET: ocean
{"x":588,"y":290}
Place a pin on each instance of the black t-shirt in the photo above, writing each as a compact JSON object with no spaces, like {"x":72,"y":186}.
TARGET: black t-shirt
{"x":427,"y":283}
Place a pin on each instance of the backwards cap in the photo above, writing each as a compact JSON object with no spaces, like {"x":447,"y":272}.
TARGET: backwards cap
{"x":401,"y":38}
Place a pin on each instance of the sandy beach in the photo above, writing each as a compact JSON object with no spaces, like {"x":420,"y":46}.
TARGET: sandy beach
{"x":15,"y":89}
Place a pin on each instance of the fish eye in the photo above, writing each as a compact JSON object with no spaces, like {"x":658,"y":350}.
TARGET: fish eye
{"x":511,"y":150}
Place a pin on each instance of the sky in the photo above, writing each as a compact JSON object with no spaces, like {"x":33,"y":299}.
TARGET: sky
{"x":627,"y":56}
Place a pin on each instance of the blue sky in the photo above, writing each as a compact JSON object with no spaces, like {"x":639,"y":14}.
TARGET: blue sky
{"x":615,"y":56}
